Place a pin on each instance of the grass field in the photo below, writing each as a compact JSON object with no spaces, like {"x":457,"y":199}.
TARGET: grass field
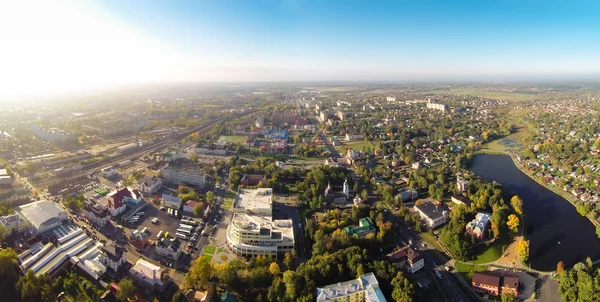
{"x":228,"y":200}
{"x":209,"y":250}
{"x":219,"y":250}
{"x":358,"y":145}
{"x":466,"y":270}
{"x":493,"y":252}
{"x":235,"y":138}
{"x":432,"y":242}
{"x":498,"y":95}
{"x":516,"y":140}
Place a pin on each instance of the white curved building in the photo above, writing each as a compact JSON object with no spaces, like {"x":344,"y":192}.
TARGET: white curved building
{"x":253,"y":231}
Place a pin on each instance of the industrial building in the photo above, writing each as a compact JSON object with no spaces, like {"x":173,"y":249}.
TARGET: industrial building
{"x":42,"y":216}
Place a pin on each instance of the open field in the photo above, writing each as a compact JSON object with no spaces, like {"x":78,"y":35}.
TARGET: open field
{"x":493,"y":252}
{"x":432,"y":242}
{"x":498,"y":95}
{"x":357,"y":145}
{"x":234,"y":138}
{"x":513,"y":142}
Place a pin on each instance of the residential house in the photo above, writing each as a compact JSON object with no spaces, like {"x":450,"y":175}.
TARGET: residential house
{"x":407,"y":257}
{"x":169,"y":247}
{"x":149,"y":185}
{"x":116,"y":201}
{"x":365,"y":227}
{"x":113,"y":256}
{"x":13,"y":223}
{"x":139,"y":238}
{"x":479,"y":226}
{"x":495,"y":283}
{"x":96,"y":214}
{"x":148,"y":276}
{"x":433,"y":213}
{"x":253,"y":179}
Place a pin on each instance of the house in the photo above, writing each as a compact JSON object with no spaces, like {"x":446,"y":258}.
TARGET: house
{"x":407,"y":257}
{"x":253,"y":179}
{"x":338,"y":198}
{"x":432,"y":213}
{"x":13,"y":223}
{"x":149,"y":185}
{"x":116,"y":201}
{"x":479,"y":226}
{"x":171,"y":200}
{"x":169,"y":247}
{"x":96,"y":214}
{"x":148,"y":275}
{"x":364,"y":228}
{"x":461,"y":184}
{"x":461,"y":200}
{"x":364,"y":288}
{"x":113,"y":256}
{"x":139,"y":238}
{"x":189,"y":206}
{"x":495,"y":283}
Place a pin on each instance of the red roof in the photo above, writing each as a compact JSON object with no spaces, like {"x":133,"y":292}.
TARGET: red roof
{"x":115,"y":200}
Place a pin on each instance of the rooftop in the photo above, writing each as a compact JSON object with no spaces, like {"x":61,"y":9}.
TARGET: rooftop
{"x":113,"y":251}
{"x":432,"y":209}
{"x":42,"y":212}
{"x":11,"y":219}
{"x":255,"y":199}
{"x":147,"y":272}
{"x":264,"y":226}
{"x":366,"y":282}
{"x":487,"y":278}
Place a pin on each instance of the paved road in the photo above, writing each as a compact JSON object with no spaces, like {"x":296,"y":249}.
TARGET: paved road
{"x":452,"y":287}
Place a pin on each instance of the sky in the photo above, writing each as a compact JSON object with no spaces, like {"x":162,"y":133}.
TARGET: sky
{"x":69,"y":45}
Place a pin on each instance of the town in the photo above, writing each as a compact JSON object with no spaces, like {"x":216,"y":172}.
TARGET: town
{"x":263,"y":199}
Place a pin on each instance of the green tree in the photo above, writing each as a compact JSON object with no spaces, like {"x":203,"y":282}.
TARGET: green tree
{"x":508,"y":297}
{"x":210,"y":197}
{"x":214,"y":295}
{"x":126,"y":290}
{"x":199,"y":210}
{"x":402,"y":289}
{"x":177,"y":297}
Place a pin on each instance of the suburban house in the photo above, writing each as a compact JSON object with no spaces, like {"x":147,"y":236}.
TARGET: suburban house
{"x":495,"y":284}
{"x":149,"y":185}
{"x":169,"y":247}
{"x":432,"y":213}
{"x":96,"y":214}
{"x":113,"y":256}
{"x":116,"y":201}
{"x":407,"y":257}
{"x":148,"y":275}
{"x":479,"y":226}
{"x":365,"y":227}
{"x":253,"y":179}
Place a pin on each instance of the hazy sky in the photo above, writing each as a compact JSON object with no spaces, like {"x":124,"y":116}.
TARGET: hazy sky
{"x":54,"y":46}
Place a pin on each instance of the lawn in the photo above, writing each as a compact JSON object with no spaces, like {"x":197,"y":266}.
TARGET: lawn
{"x":498,"y":95}
{"x":219,"y":250}
{"x":466,"y":270}
{"x":358,"y":145}
{"x":228,"y":200}
{"x":493,"y":251}
{"x":235,"y":138}
{"x":514,"y":141}
{"x":427,"y":237}
{"x":209,"y":250}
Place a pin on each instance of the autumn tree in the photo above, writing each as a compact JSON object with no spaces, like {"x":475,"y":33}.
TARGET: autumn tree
{"x":508,"y":297}
{"x":517,"y":204}
{"x":513,"y":223}
{"x":126,"y":290}
{"x":274,"y":269}
{"x":560,"y":267}
{"x":523,"y":249}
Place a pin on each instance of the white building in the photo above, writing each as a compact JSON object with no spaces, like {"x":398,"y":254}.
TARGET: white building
{"x":5,"y":179}
{"x":390,"y":99}
{"x":211,"y":149}
{"x":170,"y":200}
{"x":433,"y":214}
{"x":52,"y":134}
{"x":108,"y":172}
{"x":42,"y":215}
{"x":365,"y":288}
{"x":436,"y":106}
{"x":147,"y":275}
{"x":113,"y":256}
{"x":353,"y":137}
{"x":184,"y":171}
{"x":169,"y":247}
{"x":96,"y":213}
{"x":149,"y":185}
{"x":127,"y":148}
{"x":253,"y":231}
{"x":13,"y":223}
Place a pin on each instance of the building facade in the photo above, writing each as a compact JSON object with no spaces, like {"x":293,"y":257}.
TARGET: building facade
{"x":96,"y":214}
{"x":184,"y":171}
{"x":169,"y":247}
{"x":432,"y":213}
{"x":364,"y":288}
{"x":113,"y":256}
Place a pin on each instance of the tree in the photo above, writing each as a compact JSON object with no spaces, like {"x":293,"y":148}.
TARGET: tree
{"x":199,"y":273}
{"x":513,"y":223}
{"x":517,"y":204}
{"x":289,"y":258}
{"x":560,"y":267}
{"x":198,"y":210}
{"x":523,"y":249}
{"x":2,"y":231}
{"x":274,"y":269}
{"x":210,"y":197}
{"x":508,"y":297}
{"x":126,"y":290}
{"x":402,"y":288}
{"x":177,"y":297}
{"x":214,"y":296}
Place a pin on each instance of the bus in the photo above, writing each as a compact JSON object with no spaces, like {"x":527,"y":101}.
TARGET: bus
{"x":185,"y":226}
{"x":167,"y":235}
{"x":184,"y":231}
{"x":189,"y":222}
{"x":145,"y":229}
{"x":141,"y":213}
{"x":159,"y":235}
{"x":182,"y":236}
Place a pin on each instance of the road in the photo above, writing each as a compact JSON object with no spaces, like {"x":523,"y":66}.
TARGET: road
{"x":452,"y":287}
